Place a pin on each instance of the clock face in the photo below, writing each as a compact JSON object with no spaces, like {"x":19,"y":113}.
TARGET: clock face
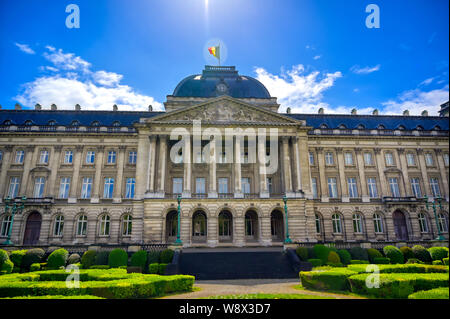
{"x":222,"y":88}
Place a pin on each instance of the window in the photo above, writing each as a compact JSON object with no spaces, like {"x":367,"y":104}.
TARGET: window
{"x":389,"y":159}
{"x":82,"y":225}
{"x":6,"y":223}
{"x":393,"y":184}
{"x":19,"y":157}
{"x":336,"y":219}
{"x":434,"y":183}
{"x":200,"y":183}
{"x":64,"y":187}
{"x":245,"y":181}
{"x":429,"y":159}
{"x":177,"y":185}
{"x":14,"y":185}
{"x":90,"y":157}
{"x":269,"y":184}
{"x":130,"y":188}
{"x":411,"y":159}
{"x":329,"y":160}
{"x":111,"y":157}
{"x":415,"y":186}
{"x":332,"y":187}
{"x":423,"y":224}
{"x":368,"y":159}
{"x":314,"y":187}
{"x":372,"y":184}
{"x":318,"y":224}
{"x":348,"y":158}
{"x":352,"y":188}
{"x":43,"y":158}
{"x":108,"y":190}
{"x":446,"y":159}
{"x":224,"y":224}
{"x":132,"y":157}
{"x":442,"y":222}
{"x":127,"y":223}
{"x":39,"y":184}
{"x":86,"y":188}
{"x":311,"y":158}
{"x":104,"y":225}
{"x":377,"y":223}
{"x":1,"y":156}
{"x":223,"y":185}
{"x":357,"y":225}
{"x":68,"y":157}
{"x":59,"y":225}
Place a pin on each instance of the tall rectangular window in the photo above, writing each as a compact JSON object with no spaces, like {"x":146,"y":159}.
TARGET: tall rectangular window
{"x":429,"y":159}
{"x":311,"y":158}
{"x":348,"y":158}
{"x":177,"y":185}
{"x":314,"y":187}
{"x":90,"y":157}
{"x":329,"y":160}
{"x":130,"y":188}
{"x":14,"y":185}
{"x":223,"y":185}
{"x":245,"y":182}
{"x":111,"y":157}
{"x":332,"y":187}
{"x":269,"y":184}
{"x":64,"y":187}
{"x":434,"y":183}
{"x":86,"y":188}
{"x":1,"y":156}
{"x":352,"y":187}
{"x":415,"y":186}
{"x":372,"y":185}
{"x":446,"y":159}
{"x":68,"y":157}
{"x":132,"y":157}
{"x":389,"y":159}
{"x":200,"y":185}
{"x":108,"y":190}
{"x":410,"y":159}
{"x":393,"y":184}
{"x":368,"y":160}
{"x":39,"y":184}
{"x":20,"y":154}
{"x":43,"y":158}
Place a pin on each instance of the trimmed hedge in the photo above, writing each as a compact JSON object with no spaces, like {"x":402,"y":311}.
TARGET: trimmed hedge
{"x":162,"y":269}
{"x":421,"y":253}
{"x":117,"y":257}
{"x":16,"y":257}
{"x":57,"y":259}
{"x":373,"y":253}
{"x":88,"y":259}
{"x":411,"y":268}
{"x":153,"y":257}
{"x":382,"y":260}
{"x":32,"y":256}
{"x":413,"y":261}
{"x":101,"y":258}
{"x":394,"y":254}
{"x":438,"y":253}
{"x":445,"y":260}
{"x":359,"y":253}
{"x":139,"y":259}
{"x":166,"y":256}
{"x":333,"y":258}
{"x":73,"y":259}
{"x":315,"y":262}
{"x":358,"y":262}
{"x":437,"y":293}
{"x":3,"y":256}
{"x":311,"y":254}
{"x":326,"y":280}
{"x":153,"y":268}
{"x":407,"y":252}
{"x":321,"y":252}
{"x":302,"y":253}
{"x":35,"y":267}
{"x":99,"y":267}
{"x":345,"y":256}
{"x":6,"y":267}
{"x":437,"y":262}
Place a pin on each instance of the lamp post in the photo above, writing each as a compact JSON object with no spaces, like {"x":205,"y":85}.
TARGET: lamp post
{"x":438,"y":202}
{"x":13,"y":208}
{"x":287,"y":240}
{"x":178,"y":241}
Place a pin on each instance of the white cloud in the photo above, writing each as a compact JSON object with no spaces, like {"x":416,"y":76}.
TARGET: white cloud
{"x":74,"y":83}
{"x":356,"y":90}
{"x":366,"y":70}
{"x":317,"y":57}
{"x":25,"y":48}
{"x":297,"y":90}
{"x":426,"y":82}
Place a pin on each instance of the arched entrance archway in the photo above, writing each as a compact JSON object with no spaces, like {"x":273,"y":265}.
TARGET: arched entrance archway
{"x":400,"y":228}
{"x":32,"y":229}
{"x":225,"y":226}
{"x":199,"y":224}
{"x":251,"y":226}
{"x":277,"y":226}
{"x":171,"y":226}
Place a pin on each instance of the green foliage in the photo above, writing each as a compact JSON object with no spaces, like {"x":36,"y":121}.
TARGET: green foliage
{"x":394,"y":254}
{"x":335,"y":264}
{"x":35,"y":267}
{"x":359,"y":253}
{"x":421,"y":253}
{"x":374,"y":253}
{"x":57,"y":258}
{"x":16,"y":257}
{"x":302,"y":253}
{"x":153,"y":257}
{"x":32,"y":256}
{"x":382,"y":260}
{"x":437,"y":293}
{"x":414,"y":261}
{"x":139,"y":259}
{"x":6,"y":267}
{"x":333,"y":258}
{"x":336,"y":279}
{"x":73,"y":259}
{"x":99,"y":267}
{"x":166,"y":256}
{"x":407,"y":252}
{"x":403,"y":269}
{"x":88,"y":258}
{"x":3,"y":256}
{"x":56,"y":297}
{"x":118,"y":257}
{"x":101,"y":258}
{"x":153,"y":268}
{"x":311,"y":254}
{"x":315,"y":262}
{"x":445,"y":260}
{"x":438,"y":253}
{"x":345,"y":256}
{"x":321,"y":252}
{"x":438,"y":262}
{"x":358,"y":262}
{"x":162,"y":269}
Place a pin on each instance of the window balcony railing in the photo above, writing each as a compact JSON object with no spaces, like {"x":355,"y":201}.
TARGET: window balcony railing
{"x":199,"y":195}
{"x":392,"y":199}
{"x":225,"y":195}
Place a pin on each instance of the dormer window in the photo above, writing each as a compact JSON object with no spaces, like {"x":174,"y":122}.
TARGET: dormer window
{"x":437,"y":128}
{"x":28,"y":122}
{"x":401,"y":128}
{"x":381,"y":127}
{"x":7,"y":122}
{"x":419,"y":128}
{"x":342,"y":127}
{"x":323,"y":126}
{"x":116,"y":124}
{"x":75,"y":123}
{"x":52,"y":122}
{"x":95,"y":123}
{"x":361,"y":127}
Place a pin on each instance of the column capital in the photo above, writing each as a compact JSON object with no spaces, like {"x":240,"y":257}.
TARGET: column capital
{"x":285,"y":139}
{"x":79,"y":148}
{"x":358,"y":150}
{"x":377,"y":150}
{"x":122,"y":147}
{"x":58,"y":148}
{"x":319,"y":149}
{"x":30,"y":148}
{"x":438,"y":151}
{"x":163,"y":137}
{"x":9,"y":148}
{"x":338,"y":149}
{"x":400,"y":150}
{"x":101,"y":148}
{"x":152,"y":137}
{"x":419,"y":151}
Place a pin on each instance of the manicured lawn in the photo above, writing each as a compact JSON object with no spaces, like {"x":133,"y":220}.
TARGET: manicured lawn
{"x":270,"y":296}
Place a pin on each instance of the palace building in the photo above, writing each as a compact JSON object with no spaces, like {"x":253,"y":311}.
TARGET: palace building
{"x":114,"y":177}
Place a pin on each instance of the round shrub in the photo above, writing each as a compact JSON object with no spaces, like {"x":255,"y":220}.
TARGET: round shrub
{"x":321,"y":252}
{"x":3,"y":256}
{"x":117,"y":257}
{"x":438,"y":262}
{"x":333,"y":258}
{"x":438,"y":253}
{"x":381,"y":260}
{"x":394,"y":254}
{"x":421,"y":253}
{"x":50,"y":250}
{"x":407,"y":252}
{"x":16,"y":257}
{"x":374,"y":253}
{"x":359,"y":253}
{"x":445,"y":260}
{"x":32,"y":256}
{"x":302,"y":253}
{"x":311,"y":254}
{"x":57,"y":259}
{"x":315,"y":262}
{"x":153,"y":257}
{"x":166,"y":256}
{"x":345,"y":256}
{"x":73,"y":259}
{"x":139,"y":259}
{"x":414,"y":261}
{"x":35,"y":267}
{"x":162,"y":269}
{"x":153,"y":268}
{"x":6,"y":267}
{"x":102,"y":258}
{"x":88,"y":258}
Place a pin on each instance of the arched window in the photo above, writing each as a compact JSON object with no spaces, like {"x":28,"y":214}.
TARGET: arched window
{"x":401,"y":128}
{"x":324,"y":126}
{"x":318,"y":224}
{"x":342,"y":127}
{"x":225,"y":224}
{"x":95,"y":123}
{"x":59,"y":225}
{"x":361,"y":127}
{"x":7,"y":122}
{"x":377,"y":223}
{"x":82,"y":225}
{"x":437,"y":128}
{"x":419,"y":128}
{"x":105,"y":225}
{"x":127,"y":222}
{"x":442,"y":222}
{"x":28,"y":122}
{"x":381,"y":127}
{"x":116,"y":123}
{"x":357,"y":224}
{"x":423,"y":224}
{"x":75,"y":123}
{"x":337,"y":227}
{"x":52,"y":122}
{"x":6,"y":223}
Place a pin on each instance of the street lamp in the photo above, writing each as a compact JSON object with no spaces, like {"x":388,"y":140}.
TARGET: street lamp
{"x":14,"y":208}
{"x":438,"y":201}
{"x":287,"y":239}
{"x":178,"y":241}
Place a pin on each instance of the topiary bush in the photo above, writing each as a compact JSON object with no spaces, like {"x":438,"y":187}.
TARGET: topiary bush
{"x":6,"y":267}
{"x":16,"y":257}
{"x":166,"y":256}
{"x":57,"y":259}
{"x":335,"y":279}
{"x":438,"y":262}
{"x":73,"y":259}
{"x":153,"y":257}
{"x":88,"y":259}
{"x":373,"y":253}
{"x":357,"y":262}
{"x":359,"y":253}
{"x":445,"y":260}
{"x":345,"y":256}
{"x":421,"y":253}
{"x":3,"y":256}
{"x":311,"y":254}
{"x":437,"y":293}
{"x":333,"y":258}
{"x":117,"y":257}
{"x":414,"y":261}
{"x":50,"y":250}
{"x":162,"y":269}
{"x":321,"y":252}
{"x":139,"y":259}
{"x":407,"y":252}
{"x":394,"y":254}
{"x":302,"y":253}
{"x":99,"y":267}
{"x":153,"y":268}
{"x":35,"y":267}
{"x":315,"y":262}
{"x":438,"y":253}
{"x":102,"y":258}
{"x":381,"y":260}
{"x":32,"y":256}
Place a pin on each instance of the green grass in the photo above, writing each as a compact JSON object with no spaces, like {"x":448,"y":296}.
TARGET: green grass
{"x":438,"y":293}
{"x":337,"y":292}
{"x":270,"y":296}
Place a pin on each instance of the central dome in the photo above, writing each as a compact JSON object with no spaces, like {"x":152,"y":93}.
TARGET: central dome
{"x":221,"y":80}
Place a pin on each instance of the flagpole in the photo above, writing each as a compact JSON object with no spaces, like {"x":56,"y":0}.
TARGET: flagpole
{"x":220,"y":54}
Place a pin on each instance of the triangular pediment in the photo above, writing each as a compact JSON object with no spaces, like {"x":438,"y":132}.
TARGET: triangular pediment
{"x":225,"y":110}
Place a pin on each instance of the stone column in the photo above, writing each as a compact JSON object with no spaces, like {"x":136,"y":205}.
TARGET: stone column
{"x":212,"y":236}
{"x":26,"y":186}
{"x":442,"y":170}
{"x":187,"y":165}
{"x":98,"y":174}
{"x":343,"y":182}
{"x":151,"y":165}
{"x":142,"y":155}
{"x":323,"y":182}
{"x":264,"y":191}
{"x":404,"y":169}
{"x":212,"y":192}
{"x":162,"y":164}
{"x":382,"y":178}
{"x":287,"y":167}
{"x":362,"y":176}
{"x":6,"y":161}
{"x":305,"y":170}
{"x":76,"y":174}
{"x":423,"y":170}
{"x":297,"y":171}
{"x":55,"y":160}
{"x":117,"y":197}
{"x":237,"y":167}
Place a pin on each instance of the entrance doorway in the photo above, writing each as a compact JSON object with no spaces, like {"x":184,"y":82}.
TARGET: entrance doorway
{"x":171,"y":226}
{"x":251,"y":226}
{"x":225,"y":226}
{"x":32,"y":229}
{"x":199,"y":224}
{"x":401,"y":230}
{"x":276,"y":226}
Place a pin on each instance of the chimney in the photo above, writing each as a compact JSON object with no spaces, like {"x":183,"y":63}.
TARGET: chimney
{"x":53,"y":107}
{"x":425,"y":113}
{"x":77,"y":107}
{"x":375,"y":112}
{"x":321,"y":111}
{"x":38,"y":107}
{"x":17,"y":107}
{"x":115,"y":108}
{"x":150,"y":108}
{"x":354,"y":112}
{"x":406,"y":113}
{"x":288,"y":110}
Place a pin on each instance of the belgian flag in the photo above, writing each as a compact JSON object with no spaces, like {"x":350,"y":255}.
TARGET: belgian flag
{"x":215,"y":51}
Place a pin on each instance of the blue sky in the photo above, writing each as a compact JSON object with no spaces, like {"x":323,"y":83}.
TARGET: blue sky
{"x":309,"y":53}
